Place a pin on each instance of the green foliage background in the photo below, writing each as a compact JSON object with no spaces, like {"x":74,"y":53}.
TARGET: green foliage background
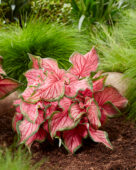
{"x":38,"y":38}
{"x":117,"y":49}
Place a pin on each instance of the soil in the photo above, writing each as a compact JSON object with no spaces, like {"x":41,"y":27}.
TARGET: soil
{"x":92,"y":156}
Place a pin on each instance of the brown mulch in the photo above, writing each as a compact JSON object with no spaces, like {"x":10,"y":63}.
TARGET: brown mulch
{"x":92,"y":156}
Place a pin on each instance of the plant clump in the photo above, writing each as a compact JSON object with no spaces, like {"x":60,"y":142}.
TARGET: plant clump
{"x":69,"y":105}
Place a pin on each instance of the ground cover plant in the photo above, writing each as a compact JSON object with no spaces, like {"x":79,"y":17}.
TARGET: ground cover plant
{"x":38,"y":38}
{"x":69,"y":105}
{"x":15,"y":158}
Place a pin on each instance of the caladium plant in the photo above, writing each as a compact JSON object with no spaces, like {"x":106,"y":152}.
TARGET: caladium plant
{"x":7,"y":85}
{"x":69,"y":105}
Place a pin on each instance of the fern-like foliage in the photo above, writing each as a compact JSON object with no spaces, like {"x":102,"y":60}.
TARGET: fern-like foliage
{"x":117,"y":49}
{"x":41,"y":39}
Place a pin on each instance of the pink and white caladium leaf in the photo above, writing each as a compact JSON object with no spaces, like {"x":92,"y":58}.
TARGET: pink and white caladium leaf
{"x":40,"y":119}
{"x":83,"y":65}
{"x":104,"y":118}
{"x":108,"y":110}
{"x":110,"y":94}
{"x":34,"y":61}
{"x":39,"y":136}
{"x":17,"y":102}
{"x":30,"y":111}
{"x":65,"y":103}
{"x":35,"y":77}
{"x":28,"y":95}
{"x":18,"y":109}
{"x":49,"y":108}
{"x":98,"y":84}
{"x":93,"y":114}
{"x":73,"y":138}
{"x":69,"y":78}
{"x":86,"y":93}
{"x":53,"y":88}
{"x":7,"y":86}
{"x":46,"y":126}
{"x":75,"y":111}
{"x":99,"y":136}
{"x":61,"y":121}
{"x":74,"y":87}
{"x":17,"y":117}
{"x":109,"y":101}
{"x":51,"y":65}
{"x":27,"y":129}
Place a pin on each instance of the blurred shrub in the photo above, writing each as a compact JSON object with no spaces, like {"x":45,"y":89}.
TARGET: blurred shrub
{"x":14,"y":10}
{"x":52,"y":10}
{"x":92,"y":11}
{"x":84,"y":12}
{"x":131,"y":3}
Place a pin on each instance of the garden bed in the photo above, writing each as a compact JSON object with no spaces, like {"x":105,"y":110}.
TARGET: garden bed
{"x":95,"y":156}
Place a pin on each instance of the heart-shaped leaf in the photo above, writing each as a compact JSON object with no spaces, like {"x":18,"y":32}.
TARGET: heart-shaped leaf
{"x":60,"y":121}
{"x":26,"y":130}
{"x":83,"y":65}
{"x":39,"y":136}
{"x":74,"y":87}
{"x":110,"y":94}
{"x":99,"y":136}
{"x":73,"y":138}
{"x":76,"y":112}
{"x":35,"y":77}
{"x":30,"y":111}
{"x":94,"y":114}
{"x":52,"y":89}
{"x":7,"y":86}
{"x":35,"y":61}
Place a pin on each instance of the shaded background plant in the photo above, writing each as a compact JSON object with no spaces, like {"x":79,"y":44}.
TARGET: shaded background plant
{"x":102,"y":11}
{"x":14,"y":10}
{"x":52,"y":10}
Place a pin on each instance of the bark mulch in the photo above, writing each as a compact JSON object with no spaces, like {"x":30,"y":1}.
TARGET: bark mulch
{"x":92,"y":156}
